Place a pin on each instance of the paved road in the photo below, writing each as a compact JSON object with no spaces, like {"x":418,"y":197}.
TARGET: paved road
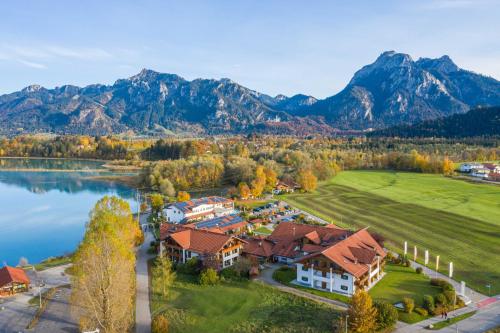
{"x":142,"y":309}
{"x":487,"y":317}
{"x":57,"y":316}
{"x":266,"y":277}
{"x":15,"y":313}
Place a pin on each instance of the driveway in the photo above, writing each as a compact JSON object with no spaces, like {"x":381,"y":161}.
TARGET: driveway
{"x":142,"y":309}
{"x":266,"y":277}
{"x":57,"y":316}
{"x":15,"y":313}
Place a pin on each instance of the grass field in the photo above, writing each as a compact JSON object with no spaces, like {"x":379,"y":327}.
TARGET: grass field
{"x":400,"y":282}
{"x":457,"y":220}
{"x":243,"y":307}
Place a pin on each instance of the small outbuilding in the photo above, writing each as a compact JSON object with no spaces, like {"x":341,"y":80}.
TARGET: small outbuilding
{"x":12,"y":281}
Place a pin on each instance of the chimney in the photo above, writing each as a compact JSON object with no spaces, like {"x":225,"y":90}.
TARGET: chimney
{"x":260,"y":243}
{"x":294,"y":231}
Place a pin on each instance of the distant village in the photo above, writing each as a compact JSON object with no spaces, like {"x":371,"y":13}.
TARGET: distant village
{"x":485,"y":171}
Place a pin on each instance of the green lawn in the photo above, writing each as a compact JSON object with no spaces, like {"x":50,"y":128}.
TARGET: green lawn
{"x":400,"y":282}
{"x":457,"y":220}
{"x":246,"y":307}
{"x":263,"y":230}
{"x":52,"y":262}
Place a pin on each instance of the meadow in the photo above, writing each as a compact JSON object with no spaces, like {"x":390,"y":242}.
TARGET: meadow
{"x":455,"y":219}
{"x":239,"y":306}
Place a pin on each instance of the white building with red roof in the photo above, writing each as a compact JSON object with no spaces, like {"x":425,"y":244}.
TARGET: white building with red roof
{"x":355,"y":262}
{"x":199,"y":209}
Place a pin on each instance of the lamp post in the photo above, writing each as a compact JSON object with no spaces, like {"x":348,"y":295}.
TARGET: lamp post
{"x":489,"y":289}
{"x":346,"y":322}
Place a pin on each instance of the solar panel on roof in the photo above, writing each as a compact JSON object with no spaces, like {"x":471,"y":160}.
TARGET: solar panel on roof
{"x":222,"y":221}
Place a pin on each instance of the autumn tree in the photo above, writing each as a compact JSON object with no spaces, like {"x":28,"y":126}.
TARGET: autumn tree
{"x":157,"y":202}
{"x":163,"y":274}
{"x":259,"y":182}
{"x":103,"y":281}
{"x":244,"y":191}
{"x":307,"y":180}
{"x":448,"y":166}
{"x":271,"y":179}
{"x":183,"y":196}
{"x":362,"y":313}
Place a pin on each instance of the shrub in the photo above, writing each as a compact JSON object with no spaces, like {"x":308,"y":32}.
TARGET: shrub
{"x":387,"y":315}
{"x":422,"y":312}
{"x":389,"y":257}
{"x":209,"y":277}
{"x":445,"y":285}
{"x":407,"y":262}
{"x":229,"y":274}
{"x":409,"y":304}
{"x":450,"y":296}
{"x":460,"y":302}
{"x":419,"y":270}
{"x":191,"y":267}
{"x":159,"y":324}
{"x":428,"y":303}
{"x":441,"y":299}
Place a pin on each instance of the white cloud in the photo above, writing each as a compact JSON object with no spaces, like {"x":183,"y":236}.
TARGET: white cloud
{"x":32,"y":64}
{"x":79,"y":53}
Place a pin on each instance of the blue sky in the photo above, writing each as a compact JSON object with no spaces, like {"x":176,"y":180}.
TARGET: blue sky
{"x":272,"y":46}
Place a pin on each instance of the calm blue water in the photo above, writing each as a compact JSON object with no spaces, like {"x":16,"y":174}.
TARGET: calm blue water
{"x":43,"y":214}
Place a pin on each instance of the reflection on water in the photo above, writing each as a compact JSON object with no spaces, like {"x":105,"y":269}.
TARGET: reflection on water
{"x":43,"y":214}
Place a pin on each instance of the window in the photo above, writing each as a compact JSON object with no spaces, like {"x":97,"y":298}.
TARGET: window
{"x":188,"y":254}
{"x":305,"y":279}
{"x":345,"y":277}
{"x":345,"y":288}
{"x":304,"y":268}
{"x":227,"y":263}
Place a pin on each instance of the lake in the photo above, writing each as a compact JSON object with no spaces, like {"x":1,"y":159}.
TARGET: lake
{"x":43,"y":213}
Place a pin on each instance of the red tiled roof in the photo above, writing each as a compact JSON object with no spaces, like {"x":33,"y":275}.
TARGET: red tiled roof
{"x":353,"y":254}
{"x":311,"y":248}
{"x":201,"y":241}
{"x":258,"y":247}
{"x":288,"y":232}
{"x":313,"y":237}
{"x":489,"y":166}
{"x":169,"y":228}
{"x":11,"y":274}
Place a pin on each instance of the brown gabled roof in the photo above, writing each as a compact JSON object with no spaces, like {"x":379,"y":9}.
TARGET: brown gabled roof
{"x":288,"y":232}
{"x":311,"y":248}
{"x":258,"y":247}
{"x":200,"y":241}
{"x":313,"y":237}
{"x":489,"y":166}
{"x":11,"y":274}
{"x":353,"y":254}
{"x":169,"y":228}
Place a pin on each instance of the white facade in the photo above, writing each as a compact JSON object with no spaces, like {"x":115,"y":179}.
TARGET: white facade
{"x":469,"y":167}
{"x":230,"y":258}
{"x":480,"y":173}
{"x":204,"y":211}
{"x":333,"y":282}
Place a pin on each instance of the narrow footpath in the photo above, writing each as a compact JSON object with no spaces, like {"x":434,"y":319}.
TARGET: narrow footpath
{"x":142,"y":309}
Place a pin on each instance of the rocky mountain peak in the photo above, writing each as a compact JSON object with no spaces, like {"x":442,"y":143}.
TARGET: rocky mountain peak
{"x":443,"y":64}
{"x":33,"y":88}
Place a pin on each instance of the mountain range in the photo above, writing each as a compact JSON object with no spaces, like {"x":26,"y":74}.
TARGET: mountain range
{"x":393,"y":90}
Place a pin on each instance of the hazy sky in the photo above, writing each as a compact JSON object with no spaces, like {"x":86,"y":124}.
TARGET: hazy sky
{"x":272,"y":46}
